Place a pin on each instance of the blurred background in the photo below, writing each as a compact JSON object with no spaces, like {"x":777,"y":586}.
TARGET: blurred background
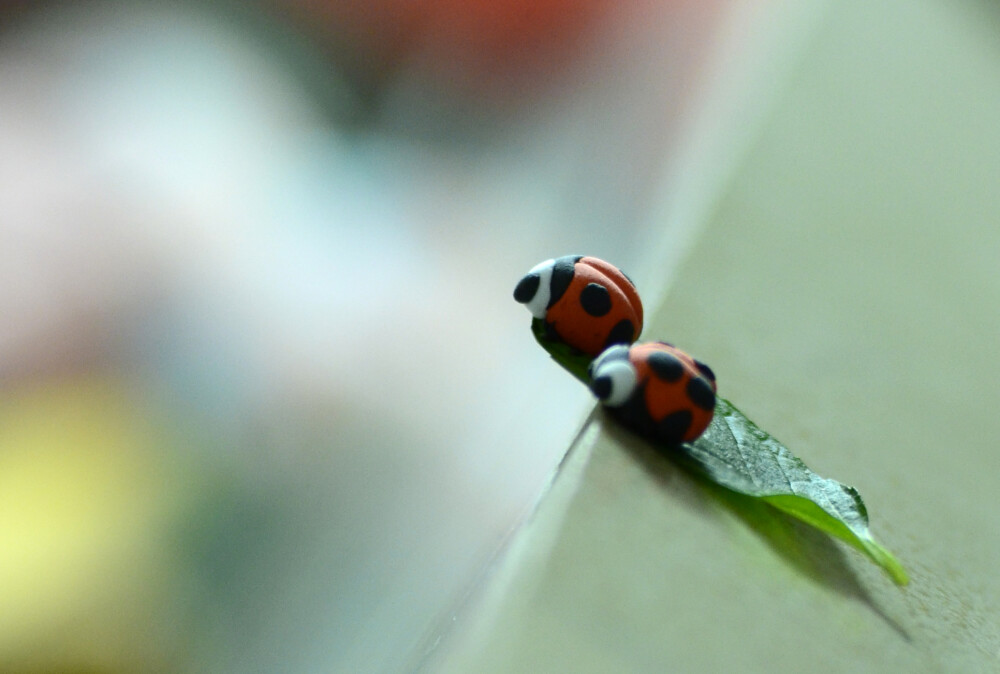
{"x":266,"y":403}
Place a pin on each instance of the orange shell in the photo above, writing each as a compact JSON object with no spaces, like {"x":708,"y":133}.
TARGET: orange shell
{"x":586,"y":331}
{"x":663,"y":398}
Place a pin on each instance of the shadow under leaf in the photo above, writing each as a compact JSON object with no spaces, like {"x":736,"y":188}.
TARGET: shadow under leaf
{"x":808,"y":551}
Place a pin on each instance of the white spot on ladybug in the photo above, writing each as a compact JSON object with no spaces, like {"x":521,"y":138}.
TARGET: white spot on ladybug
{"x":613,"y":377}
{"x":616,"y":352}
{"x":539,"y":304}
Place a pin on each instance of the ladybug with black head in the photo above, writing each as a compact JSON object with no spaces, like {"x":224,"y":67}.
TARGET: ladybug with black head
{"x":585,"y":302}
{"x":656,"y":389}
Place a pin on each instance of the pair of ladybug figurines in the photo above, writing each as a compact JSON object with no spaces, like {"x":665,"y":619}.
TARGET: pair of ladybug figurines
{"x":593,"y":307}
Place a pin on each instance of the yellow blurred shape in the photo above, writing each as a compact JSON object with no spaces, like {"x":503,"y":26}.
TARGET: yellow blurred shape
{"x":84,"y":500}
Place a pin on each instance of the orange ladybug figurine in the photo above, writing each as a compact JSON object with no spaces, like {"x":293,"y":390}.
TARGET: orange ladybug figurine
{"x":585,"y":302}
{"x":655,"y":389}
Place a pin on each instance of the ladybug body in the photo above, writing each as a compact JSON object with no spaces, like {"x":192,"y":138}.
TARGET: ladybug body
{"x":585,"y":302}
{"x":655,"y":389}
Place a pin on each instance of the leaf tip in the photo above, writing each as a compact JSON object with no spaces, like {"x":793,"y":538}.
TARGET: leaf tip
{"x":887,"y":561}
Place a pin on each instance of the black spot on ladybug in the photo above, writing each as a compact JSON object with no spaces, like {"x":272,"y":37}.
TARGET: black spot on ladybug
{"x":673,"y":427}
{"x":622,"y":333}
{"x":601,"y":387}
{"x":562,"y":276}
{"x":705,"y":370}
{"x":526,"y":288}
{"x":701,"y":393}
{"x":595,"y":299}
{"x":666,"y":366}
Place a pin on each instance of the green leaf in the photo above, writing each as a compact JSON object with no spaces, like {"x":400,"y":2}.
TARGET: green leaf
{"x":736,"y":454}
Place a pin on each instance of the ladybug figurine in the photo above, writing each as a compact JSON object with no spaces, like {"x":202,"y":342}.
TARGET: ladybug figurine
{"x":655,"y":389}
{"x":585,"y":302}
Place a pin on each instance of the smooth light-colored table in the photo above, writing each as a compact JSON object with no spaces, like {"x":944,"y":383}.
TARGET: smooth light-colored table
{"x":845,"y":286}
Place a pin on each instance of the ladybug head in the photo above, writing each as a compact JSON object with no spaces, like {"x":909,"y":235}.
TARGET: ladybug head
{"x":613,"y":378}
{"x":533,"y":290}
{"x":545,"y":284}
